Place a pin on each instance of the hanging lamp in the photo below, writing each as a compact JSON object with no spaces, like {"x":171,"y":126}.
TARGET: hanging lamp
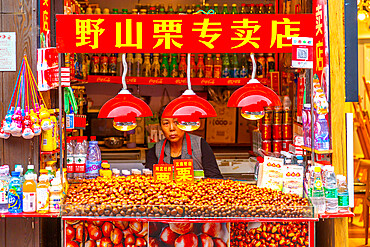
{"x":124,"y":108}
{"x":189,"y":108}
{"x":253,"y":97}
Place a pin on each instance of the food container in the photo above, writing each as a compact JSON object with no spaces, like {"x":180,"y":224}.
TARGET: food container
{"x":266,"y":131}
{"x":287,"y":132}
{"x":277,"y":146}
{"x":113,"y":142}
{"x":277,"y":132}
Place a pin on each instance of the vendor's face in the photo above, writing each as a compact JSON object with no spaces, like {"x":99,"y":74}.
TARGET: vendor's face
{"x":170,"y":130}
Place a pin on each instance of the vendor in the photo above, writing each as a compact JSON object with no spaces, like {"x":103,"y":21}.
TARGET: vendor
{"x":181,"y":145}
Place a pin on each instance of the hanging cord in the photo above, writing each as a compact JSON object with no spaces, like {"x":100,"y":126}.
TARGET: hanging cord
{"x":23,"y":88}
{"x":34,"y":82}
{"x":124,"y":71}
{"x":254,"y":66}
{"x":188,"y":72}
{"x":15,"y":86}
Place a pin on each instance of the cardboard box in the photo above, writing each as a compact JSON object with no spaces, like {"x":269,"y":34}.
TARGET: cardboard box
{"x":245,"y":129}
{"x":202,"y":129}
{"x":221,"y":129}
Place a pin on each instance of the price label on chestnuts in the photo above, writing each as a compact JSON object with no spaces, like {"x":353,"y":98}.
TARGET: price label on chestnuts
{"x":184,"y":171}
{"x":163,"y":172}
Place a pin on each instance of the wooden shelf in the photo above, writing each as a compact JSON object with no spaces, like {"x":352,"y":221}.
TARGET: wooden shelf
{"x":50,"y":152}
{"x":330,"y":151}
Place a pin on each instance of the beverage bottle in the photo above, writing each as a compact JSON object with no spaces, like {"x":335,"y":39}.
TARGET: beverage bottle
{"x":113,"y":64}
{"x":56,"y":196}
{"x":134,"y":12}
{"x":187,"y":7}
{"x":193,"y":8}
{"x":152,"y":11}
{"x":189,"y":12}
{"x":31,"y":171}
{"x":15,"y":195}
{"x":143,"y":12}
{"x":331,"y":191}
{"x":165,"y":68}
{"x":161,"y":11}
{"x":197,"y":8}
{"x":182,"y":12}
{"x":234,"y":11}
{"x":252,"y":9}
{"x":29,"y":194}
{"x":156,"y":67}
{"x":260,"y":9}
{"x":43,"y":194}
{"x":170,"y":11}
{"x":270,"y":62}
{"x":270,"y":9}
{"x":94,"y":64}
{"x":138,"y":65}
{"x":322,"y":133}
{"x":193,"y":66}
{"x":19,"y":168}
{"x":79,"y":157}
{"x":174,"y":67}
{"x":209,"y":66}
{"x":225,"y":66}
{"x":310,"y":180}
{"x":70,"y":159}
{"x":104,"y":64}
{"x":243,"y":71}
{"x":146,"y":66}
{"x":124,"y":11}
{"x":97,"y":11}
{"x":105,"y":170}
{"x":200,"y":66}
{"x":343,"y":197}
{"x":4,"y":189}
{"x":318,"y":199}
{"x":217,"y":66}
{"x":243,"y":9}
{"x":130,"y":64}
{"x":178,"y":8}
{"x":215,"y":8}
{"x":169,"y":6}
{"x":234,"y":73}
{"x":106,"y":11}
{"x":225,"y":10}
{"x":93,"y":159}
{"x":182,"y":66}
{"x":206,"y":7}
{"x":115,"y":11}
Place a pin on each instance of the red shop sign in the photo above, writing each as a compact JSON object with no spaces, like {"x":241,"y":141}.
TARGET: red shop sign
{"x":45,"y":23}
{"x":181,"y":33}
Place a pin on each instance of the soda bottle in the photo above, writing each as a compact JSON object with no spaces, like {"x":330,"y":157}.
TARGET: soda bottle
{"x":182,"y":66}
{"x":242,"y":9}
{"x":115,"y":11}
{"x":270,"y":9}
{"x":193,"y":66}
{"x":234,"y":10}
{"x":138,"y":65}
{"x":250,"y":66}
{"x":215,"y":8}
{"x":243,"y":71}
{"x":234,"y":72}
{"x":85,"y":66}
{"x":225,"y":66}
{"x":130,"y":64}
{"x":146,"y":66}
{"x":209,"y":66}
{"x":113,"y":64}
{"x":343,"y":197}
{"x":252,"y":9}
{"x":217,"y":66}
{"x":225,"y":10}
{"x":170,"y":11}
{"x":156,"y":67}
{"x":161,"y":11}
{"x":270,"y":62}
{"x":206,"y":7}
{"x":104,"y":64}
{"x":43,"y":194}
{"x":70,"y":159}
{"x":200,"y":66}
{"x":331,"y":191}
{"x":31,"y":171}
{"x":94,"y":64}
{"x":15,"y":195}
{"x":93,"y":159}
{"x":4,"y":189}
{"x":260,"y":9}
{"x":79,"y":157}
{"x":318,"y":199}
{"x":124,"y":11}
{"x":174,"y":67}
{"x":29,"y":194}
{"x":165,"y":68}
{"x":178,"y":8}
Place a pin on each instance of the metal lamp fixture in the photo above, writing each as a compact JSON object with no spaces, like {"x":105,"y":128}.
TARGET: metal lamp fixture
{"x":253,"y":97}
{"x":363,"y":9}
{"x":125,"y":108}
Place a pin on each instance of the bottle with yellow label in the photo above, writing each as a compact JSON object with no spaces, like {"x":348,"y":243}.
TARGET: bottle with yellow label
{"x":105,"y":170}
{"x":43,"y":194}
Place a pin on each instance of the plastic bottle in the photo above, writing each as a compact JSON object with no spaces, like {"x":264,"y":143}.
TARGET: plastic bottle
{"x":56,"y":190}
{"x":93,"y":160}
{"x":43,"y":194}
{"x":15,"y":195}
{"x":70,"y":159}
{"x":51,"y":174}
{"x":4,"y":189}
{"x":105,"y":170}
{"x":31,"y":171}
{"x":331,"y":191}
{"x":318,"y":199}
{"x":29,"y":194}
{"x":343,"y":197}
{"x":322,"y":133}
{"x":79,"y":157}
{"x":126,"y":173}
{"x":209,"y":66}
{"x":19,"y":168}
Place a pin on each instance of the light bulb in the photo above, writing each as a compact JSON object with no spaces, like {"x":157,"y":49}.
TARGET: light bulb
{"x":188,"y":126}
{"x":253,"y":115}
{"x":362,"y":15}
{"x":124,"y":126}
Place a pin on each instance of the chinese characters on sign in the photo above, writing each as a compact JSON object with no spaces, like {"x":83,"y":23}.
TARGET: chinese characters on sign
{"x":7,"y":52}
{"x":184,"y":171}
{"x":163,"y":172}
{"x":183,"y":33}
{"x":45,"y":23}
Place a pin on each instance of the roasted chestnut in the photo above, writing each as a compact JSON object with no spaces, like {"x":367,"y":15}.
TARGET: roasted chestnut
{"x":187,"y":240}
{"x":181,"y":228}
{"x":168,"y":236}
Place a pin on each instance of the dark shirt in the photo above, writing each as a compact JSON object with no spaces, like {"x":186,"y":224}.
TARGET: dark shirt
{"x":209,"y":163}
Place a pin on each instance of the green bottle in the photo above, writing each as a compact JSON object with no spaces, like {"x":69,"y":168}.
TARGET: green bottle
{"x":215,"y":8}
{"x":115,"y":11}
{"x":234,"y":73}
{"x":243,"y":71}
{"x":170,"y":11}
{"x":206,"y":7}
{"x":226,"y":66}
{"x":161,"y":11}
{"x":234,"y":11}
{"x":174,"y":67}
{"x":225,"y":10}
{"x":124,"y":11}
{"x":165,"y":68}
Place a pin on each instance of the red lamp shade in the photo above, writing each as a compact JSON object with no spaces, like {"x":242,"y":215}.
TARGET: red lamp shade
{"x":253,"y":98}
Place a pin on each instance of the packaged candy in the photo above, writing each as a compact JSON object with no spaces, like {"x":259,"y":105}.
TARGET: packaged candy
{"x":27,"y":132}
{"x":16,"y":124}
{"x":46,"y":123}
{"x":36,"y":128}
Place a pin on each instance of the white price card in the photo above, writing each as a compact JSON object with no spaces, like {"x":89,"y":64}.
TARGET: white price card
{"x":8,"y":51}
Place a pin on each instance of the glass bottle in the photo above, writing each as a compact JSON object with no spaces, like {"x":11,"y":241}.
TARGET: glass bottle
{"x":243,"y":71}
{"x":165,"y":68}
{"x":156,"y":67}
{"x":115,"y":11}
{"x":134,"y":11}
{"x":234,"y":73}
{"x":209,"y":66}
{"x":200,"y":66}
{"x":225,"y":66}
{"x":206,"y":7}
{"x":197,"y":8}
{"x":252,"y":9}
{"x":178,"y":8}
{"x":242,"y":9}
{"x":250,"y":66}
{"x":215,"y":8}
{"x":94,"y":64}
{"x":260,"y":9}
{"x":182,"y":66}
{"x":170,"y":11}
{"x":174,"y":67}
{"x":225,"y":10}
{"x":104,"y":64}
{"x":217,"y":66}
{"x":189,"y":12}
{"x":138,"y":65}
{"x":146,"y":66}
{"x":113,"y":64}
{"x":143,"y":12}
{"x":234,"y":10}
{"x":161,"y":11}
{"x":270,"y":9}
{"x":152,"y":11}
{"x":193,"y":66}
{"x":193,"y":8}
{"x":124,"y":11}
{"x":130,"y":64}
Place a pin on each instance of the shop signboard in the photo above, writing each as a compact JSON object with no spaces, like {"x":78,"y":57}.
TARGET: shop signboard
{"x":45,"y":23}
{"x":181,"y":33}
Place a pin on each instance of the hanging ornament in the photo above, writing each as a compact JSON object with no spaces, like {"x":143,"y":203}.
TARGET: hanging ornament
{"x":27,"y":132}
{"x":16,"y":125}
{"x":46,"y":123}
{"x":36,"y":128}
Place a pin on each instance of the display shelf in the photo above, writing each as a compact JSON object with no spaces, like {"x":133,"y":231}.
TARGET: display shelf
{"x":168,"y":80}
{"x":25,"y":215}
{"x":330,"y":151}
{"x":336,"y":215}
{"x":50,"y":152}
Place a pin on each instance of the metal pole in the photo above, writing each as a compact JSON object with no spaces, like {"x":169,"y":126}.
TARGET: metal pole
{"x":312,"y":120}
{"x":60,"y":130}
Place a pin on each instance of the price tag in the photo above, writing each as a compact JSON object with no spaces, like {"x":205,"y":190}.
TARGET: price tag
{"x":184,"y":171}
{"x":163,"y":172}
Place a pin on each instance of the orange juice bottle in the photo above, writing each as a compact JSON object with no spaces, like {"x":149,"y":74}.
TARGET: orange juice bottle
{"x":29,"y":194}
{"x":43,"y":194}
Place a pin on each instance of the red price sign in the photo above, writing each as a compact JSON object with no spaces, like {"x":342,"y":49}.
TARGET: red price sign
{"x":184,"y":171}
{"x":163,"y":172}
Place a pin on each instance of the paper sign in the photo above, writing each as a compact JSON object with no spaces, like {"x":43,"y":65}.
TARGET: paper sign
{"x":271,"y":174}
{"x":293,"y":180}
{"x":8,"y":52}
{"x":302,"y":53}
{"x":163,"y":172}
{"x":184,"y":171}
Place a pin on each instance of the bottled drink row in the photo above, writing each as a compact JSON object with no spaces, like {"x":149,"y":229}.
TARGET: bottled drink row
{"x":23,"y":193}
{"x":171,"y":65}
